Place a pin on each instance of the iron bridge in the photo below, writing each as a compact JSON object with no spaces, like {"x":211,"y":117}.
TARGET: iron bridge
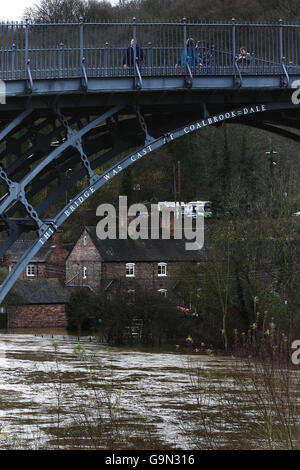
{"x":69,"y":109}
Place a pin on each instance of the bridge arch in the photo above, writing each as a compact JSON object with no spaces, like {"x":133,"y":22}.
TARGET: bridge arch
{"x":48,"y":227}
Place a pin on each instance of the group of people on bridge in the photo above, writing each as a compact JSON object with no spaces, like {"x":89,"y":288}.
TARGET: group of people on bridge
{"x":193,"y":55}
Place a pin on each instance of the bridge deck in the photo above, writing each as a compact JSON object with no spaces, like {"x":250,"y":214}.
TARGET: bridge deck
{"x":66,"y":57}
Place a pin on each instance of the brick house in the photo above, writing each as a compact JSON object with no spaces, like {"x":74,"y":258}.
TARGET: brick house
{"x":156,"y":264}
{"x":49,"y":262}
{"x":43,"y":305}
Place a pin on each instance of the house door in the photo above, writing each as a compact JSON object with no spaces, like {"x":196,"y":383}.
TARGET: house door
{"x":3,"y":320}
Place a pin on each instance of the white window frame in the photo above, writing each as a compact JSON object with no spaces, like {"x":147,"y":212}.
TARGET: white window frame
{"x":163,"y":268}
{"x":30,"y":270}
{"x":131,"y":268}
{"x":163,"y":292}
{"x":84,"y":240}
{"x":84,"y":275}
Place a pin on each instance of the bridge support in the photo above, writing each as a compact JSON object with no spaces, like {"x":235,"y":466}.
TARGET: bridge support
{"x":84,"y":144}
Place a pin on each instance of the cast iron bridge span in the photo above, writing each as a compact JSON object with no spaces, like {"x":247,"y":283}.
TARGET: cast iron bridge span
{"x":69,"y":109}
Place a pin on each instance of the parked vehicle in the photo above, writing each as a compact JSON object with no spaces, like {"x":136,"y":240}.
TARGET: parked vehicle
{"x":190,"y":209}
{"x":194,"y":208}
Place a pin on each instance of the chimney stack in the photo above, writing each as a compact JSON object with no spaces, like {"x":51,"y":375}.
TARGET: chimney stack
{"x":57,"y":239}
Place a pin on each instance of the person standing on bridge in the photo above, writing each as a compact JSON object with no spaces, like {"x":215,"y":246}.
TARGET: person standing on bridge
{"x":189,"y":56}
{"x":128,"y":57}
{"x":244,"y":57}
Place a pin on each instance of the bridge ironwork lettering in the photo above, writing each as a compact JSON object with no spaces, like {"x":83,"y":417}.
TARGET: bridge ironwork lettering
{"x":49,"y":228}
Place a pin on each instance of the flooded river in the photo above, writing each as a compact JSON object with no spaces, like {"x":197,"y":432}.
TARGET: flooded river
{"x":57,"y":392}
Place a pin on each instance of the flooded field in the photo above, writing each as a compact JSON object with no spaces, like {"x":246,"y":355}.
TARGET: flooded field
{"x":58,"y":393}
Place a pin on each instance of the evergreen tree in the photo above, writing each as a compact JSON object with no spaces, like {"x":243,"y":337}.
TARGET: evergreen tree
{"x":127,"y":185}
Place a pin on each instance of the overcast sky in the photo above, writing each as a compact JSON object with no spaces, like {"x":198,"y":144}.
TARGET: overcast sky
{"x":14,"y":9}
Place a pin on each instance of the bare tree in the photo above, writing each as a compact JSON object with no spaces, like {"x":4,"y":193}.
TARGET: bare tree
{"x":55,"y":10}
{"x":68,"y":10}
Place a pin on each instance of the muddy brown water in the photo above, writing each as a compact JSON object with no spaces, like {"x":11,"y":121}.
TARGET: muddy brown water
{"x":148,"y":389}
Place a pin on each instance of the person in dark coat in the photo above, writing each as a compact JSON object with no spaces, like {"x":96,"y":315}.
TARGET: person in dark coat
{"x":128,"y":57}
{"x":244,"y":57}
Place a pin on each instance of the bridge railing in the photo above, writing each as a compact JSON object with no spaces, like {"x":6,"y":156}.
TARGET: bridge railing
{"x":59,"y":50}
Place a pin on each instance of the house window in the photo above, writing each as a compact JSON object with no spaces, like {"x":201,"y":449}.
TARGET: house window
{"x":163,"y":292}
{"x":130,"y":268}
{"x":162,"y":269}
{"x":84,"y":276}
{"x":30,"y":270}
{"x":85,"y":240}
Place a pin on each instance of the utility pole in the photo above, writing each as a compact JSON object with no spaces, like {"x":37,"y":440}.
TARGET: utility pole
{"x":174,"y":183}
{"x":179,"y":182}
{"x":67,"y":176}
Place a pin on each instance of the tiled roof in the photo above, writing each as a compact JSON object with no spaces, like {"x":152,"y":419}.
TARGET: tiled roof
{"x":43,"y":291}
{"x":18,"y":249}
{"x":144,"y":250}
